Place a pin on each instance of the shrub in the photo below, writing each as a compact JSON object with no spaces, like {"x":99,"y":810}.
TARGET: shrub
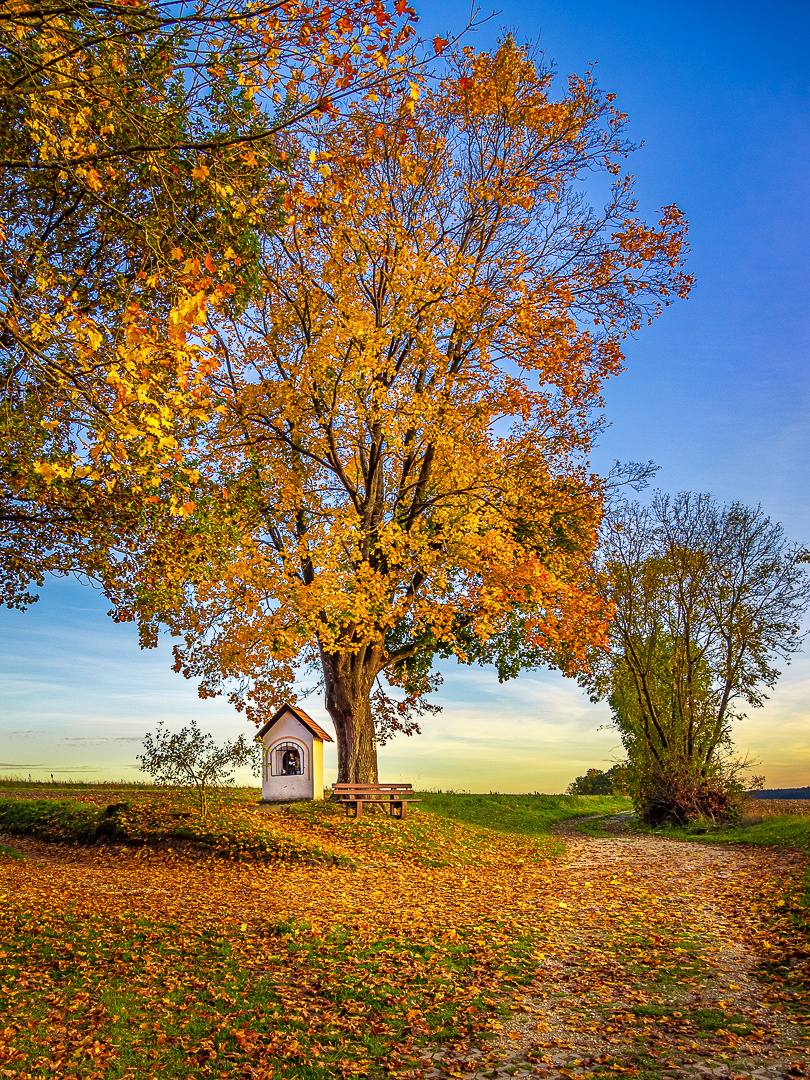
{"x":191,"y":758}
{"x":676,"y":796}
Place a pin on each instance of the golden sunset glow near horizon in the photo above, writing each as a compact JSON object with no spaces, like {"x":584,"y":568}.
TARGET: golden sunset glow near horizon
{"x":80,"y":696}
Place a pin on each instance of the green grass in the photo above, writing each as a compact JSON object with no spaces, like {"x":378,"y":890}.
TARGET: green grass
{"x":523,"y":815}
{"x":774,"y":831}
{"x":354,"y":995}
{"x":705,"y":1020}
{"x":304,"y":832}
{"x":228,"y":830}
{"x":301,"y":832}
{"x":52,"y":819}
{"x":96,"y":987}
{"x":191,"y":1002}
{"x":146,"y":819}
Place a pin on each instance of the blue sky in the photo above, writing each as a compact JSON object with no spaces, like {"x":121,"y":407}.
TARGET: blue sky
{"x":717,"y":393}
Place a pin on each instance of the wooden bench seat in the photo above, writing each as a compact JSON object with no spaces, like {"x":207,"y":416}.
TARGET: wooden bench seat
{"x":392,"y":796}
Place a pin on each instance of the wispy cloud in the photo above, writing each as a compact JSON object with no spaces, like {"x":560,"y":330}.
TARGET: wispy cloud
{"x":103,"y":739}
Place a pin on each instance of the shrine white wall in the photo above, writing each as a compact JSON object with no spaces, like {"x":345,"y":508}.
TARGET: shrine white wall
{"x":309,"y":783}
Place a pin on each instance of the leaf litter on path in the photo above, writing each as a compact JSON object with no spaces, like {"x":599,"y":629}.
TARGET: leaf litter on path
{"x":443,"y":951}
{"x":651,"y":966}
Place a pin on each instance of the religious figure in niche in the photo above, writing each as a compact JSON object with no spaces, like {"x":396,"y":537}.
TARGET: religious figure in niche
{"x":290,"y":762}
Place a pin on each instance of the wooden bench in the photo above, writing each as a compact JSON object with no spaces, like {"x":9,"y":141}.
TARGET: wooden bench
{"x":389,"y":795}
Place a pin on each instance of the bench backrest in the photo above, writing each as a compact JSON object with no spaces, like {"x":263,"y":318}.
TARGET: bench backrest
{"x":373,"y":789}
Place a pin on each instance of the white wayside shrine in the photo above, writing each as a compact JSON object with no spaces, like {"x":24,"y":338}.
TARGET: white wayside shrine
{"x":292,"y":767}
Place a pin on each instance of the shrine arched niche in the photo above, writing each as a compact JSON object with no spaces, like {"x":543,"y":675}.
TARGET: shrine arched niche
{"x":287,"y":757}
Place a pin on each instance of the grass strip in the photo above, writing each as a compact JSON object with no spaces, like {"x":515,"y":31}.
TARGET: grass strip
{"x":225,"y":832}
{"x":788,"y":831}
{"x":522,"y":815}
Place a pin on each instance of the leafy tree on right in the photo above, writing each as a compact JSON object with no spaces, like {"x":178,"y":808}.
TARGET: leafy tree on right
{"x":707,"y":600}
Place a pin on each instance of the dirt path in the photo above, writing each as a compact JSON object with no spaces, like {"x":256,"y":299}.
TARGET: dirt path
{"x":652,"y":969}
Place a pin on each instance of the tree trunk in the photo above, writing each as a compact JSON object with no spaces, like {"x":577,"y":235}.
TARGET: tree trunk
{"x":348,"y":679}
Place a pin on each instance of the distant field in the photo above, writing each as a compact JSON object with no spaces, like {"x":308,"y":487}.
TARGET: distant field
{"x":68,"y":789}
{"x":101,"y":794}
{"x":781,"y":793}
{"x":759,"y":808}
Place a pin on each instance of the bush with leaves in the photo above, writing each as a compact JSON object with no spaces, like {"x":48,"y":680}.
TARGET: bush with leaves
{"x":191,"y":758}
{"x":676,"y":794}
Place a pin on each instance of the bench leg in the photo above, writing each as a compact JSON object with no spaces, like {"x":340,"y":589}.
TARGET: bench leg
{"x":358,"y":809}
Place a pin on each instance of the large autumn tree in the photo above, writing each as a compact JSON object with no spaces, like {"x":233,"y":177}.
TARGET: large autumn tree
{"x":410,"y":399}
{"x":138,"y":158}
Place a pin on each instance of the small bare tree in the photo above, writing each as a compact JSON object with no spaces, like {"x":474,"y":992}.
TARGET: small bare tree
{"x":191,"y":758}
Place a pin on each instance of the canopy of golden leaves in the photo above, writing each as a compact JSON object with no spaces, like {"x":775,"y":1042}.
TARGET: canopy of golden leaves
{"x":411,"y":397}
{"x":138,"y":156}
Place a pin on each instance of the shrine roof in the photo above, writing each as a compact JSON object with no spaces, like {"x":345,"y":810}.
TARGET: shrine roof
{"x":301,"y":717}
